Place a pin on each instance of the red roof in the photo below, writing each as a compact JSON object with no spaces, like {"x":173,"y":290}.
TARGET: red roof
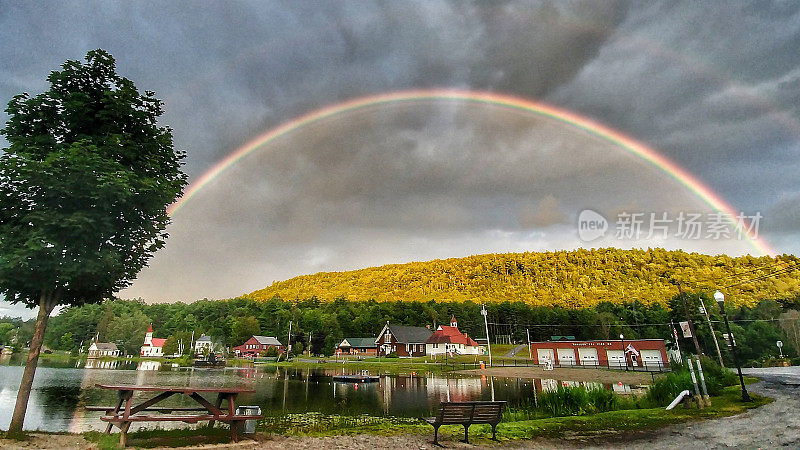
{"x":450,"y":335}
{"x":150,"y":328}
{"x":158,"y":342}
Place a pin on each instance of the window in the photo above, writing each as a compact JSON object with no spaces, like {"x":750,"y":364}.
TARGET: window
{"x":387,"y":338}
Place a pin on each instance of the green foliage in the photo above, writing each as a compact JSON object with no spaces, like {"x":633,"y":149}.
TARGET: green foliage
{"x":565,"y":401}
{"x":570,"y":279}
{"x":85,"y":181}
{"x":243,"y":329}
{"x":666,"y":388}
{"x":128,"y":331}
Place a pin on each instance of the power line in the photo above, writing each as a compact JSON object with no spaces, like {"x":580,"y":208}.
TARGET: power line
{"x":777,"y":272}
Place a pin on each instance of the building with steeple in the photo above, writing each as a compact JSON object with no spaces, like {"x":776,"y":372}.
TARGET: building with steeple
{"x":448,"y":340}
{"x":153,"y":347}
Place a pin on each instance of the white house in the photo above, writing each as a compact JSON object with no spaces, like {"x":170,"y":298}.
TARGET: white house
{"x":203,"y":344}
{"x":103,"y":349}
{"x":153,"y":347}
{"x":449,"y":340}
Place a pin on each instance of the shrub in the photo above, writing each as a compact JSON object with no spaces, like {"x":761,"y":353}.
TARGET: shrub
{"x":665,"y":389}
{"x":392,"y":355}
{"x":565,"y":401}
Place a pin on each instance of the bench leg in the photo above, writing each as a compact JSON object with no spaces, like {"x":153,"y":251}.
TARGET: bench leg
{"x":494,"y":431}
{"x":436,"y":436}
{"x":116,"y":410}
{"x":235,"y":424}
{"x":466,"y":434}
{"x":123,"y":434}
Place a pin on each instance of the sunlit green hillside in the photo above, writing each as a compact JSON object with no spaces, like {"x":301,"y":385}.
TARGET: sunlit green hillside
{"x":576,"y":279}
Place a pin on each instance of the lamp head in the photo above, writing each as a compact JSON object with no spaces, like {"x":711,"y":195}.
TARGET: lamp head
{"x":621,"y":336}
{"x":720,"y":298}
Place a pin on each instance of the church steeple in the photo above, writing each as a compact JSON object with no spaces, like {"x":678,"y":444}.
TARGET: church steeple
{"x":453,"y":322}
{"x":148,"y":337}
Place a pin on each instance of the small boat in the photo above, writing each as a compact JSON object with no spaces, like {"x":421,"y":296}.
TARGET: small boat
{"x":210,"y":362}
{"x":356,"y":378}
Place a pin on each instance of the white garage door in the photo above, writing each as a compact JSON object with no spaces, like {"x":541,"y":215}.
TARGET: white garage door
{"x":544,"y":355}
{"x":651,"y":358}
{"x":615,"y":358}
{"x":588,"y":356}
{"x":566,"y":356}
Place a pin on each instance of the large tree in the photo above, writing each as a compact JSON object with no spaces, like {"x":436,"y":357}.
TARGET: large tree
{"x":84,"y":185}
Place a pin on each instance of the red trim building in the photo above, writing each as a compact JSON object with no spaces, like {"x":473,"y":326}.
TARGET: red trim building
{"x":256,"y":345}
{"x":402,"y":340}
{"x":650,"y":353}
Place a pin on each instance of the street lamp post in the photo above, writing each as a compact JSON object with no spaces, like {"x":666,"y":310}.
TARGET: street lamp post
{"x":720,"y":298}
{"x":624,"y":356}
{"x":485,"y":313}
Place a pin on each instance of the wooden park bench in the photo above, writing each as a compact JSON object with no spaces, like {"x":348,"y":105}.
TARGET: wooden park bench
{"x":466,"y":414}
{"x":125,"y":412}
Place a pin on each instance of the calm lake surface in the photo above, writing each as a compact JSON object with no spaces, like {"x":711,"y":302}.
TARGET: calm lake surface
{"x":61,"y":393}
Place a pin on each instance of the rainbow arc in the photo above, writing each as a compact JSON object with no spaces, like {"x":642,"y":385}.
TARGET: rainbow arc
{"x":623,"y":141}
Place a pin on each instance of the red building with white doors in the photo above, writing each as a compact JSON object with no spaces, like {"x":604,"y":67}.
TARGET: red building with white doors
{"x":647,"y":353}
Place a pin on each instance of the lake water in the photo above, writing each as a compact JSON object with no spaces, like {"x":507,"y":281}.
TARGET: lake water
{"x":61,"y":393}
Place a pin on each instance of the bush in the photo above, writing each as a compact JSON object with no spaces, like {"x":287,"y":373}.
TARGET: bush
{"x":665,"y":389}
{"x":795,"y":361}
{"x":392,"y":355}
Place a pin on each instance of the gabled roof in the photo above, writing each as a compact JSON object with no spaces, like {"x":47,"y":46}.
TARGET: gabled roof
{"x":268,"y":340}
{"x":407,"y":335}
{"x":105,"y":346}
{"x":158,"y":342}
{"x":359,"y":342}
{"x":204,"y":338}
{"x":450,"y":335}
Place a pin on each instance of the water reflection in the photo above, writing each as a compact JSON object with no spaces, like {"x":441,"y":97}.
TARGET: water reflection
{"x":61,"y":393}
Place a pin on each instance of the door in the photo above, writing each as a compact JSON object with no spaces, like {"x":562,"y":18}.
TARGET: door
{"x":588,"y":356}
{"x":566,"y":356}
{"x":615,"y":358}
{"x":652,"y":358}
{"x":544,"y":355}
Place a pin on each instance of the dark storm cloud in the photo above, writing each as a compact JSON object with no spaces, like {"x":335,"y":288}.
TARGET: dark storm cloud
{"x":716,"y":87}
{"x":229,"y":70}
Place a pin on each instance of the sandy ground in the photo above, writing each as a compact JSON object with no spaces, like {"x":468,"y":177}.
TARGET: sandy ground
{"x":566,"y":374}
{"x":771,"y":426}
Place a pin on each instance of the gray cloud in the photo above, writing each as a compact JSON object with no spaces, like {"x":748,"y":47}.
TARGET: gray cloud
{"x":715,"y":87}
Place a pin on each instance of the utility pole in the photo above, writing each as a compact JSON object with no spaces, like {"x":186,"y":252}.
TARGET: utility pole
{"x":289,"y":341}
{"x":713,"y":334}
{"x":688,"y":317}
{"x":486,"y":322}
{"x":528,"y":332}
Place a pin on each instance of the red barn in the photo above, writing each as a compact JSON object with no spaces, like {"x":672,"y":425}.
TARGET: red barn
{"x":257,"y":344}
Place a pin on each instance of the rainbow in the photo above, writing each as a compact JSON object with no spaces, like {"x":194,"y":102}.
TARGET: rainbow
{"x":627,"y":143}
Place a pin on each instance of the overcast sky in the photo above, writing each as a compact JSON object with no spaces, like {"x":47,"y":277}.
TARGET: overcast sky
{"x":714,"y":86}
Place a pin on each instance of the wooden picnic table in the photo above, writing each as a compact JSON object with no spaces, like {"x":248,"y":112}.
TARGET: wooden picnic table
{"x":125,"y":412}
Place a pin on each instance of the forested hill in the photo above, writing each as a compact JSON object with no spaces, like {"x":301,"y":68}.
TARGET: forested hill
{"x":574,"y":279}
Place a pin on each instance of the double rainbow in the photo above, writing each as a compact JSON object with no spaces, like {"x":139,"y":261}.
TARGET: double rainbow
{"x":627,"y":143}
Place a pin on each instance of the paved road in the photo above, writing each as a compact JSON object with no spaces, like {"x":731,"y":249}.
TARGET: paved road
{"x":774,"y":425}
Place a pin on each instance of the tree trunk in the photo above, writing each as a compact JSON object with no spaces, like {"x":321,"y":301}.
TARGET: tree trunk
{"x":47,"y":302}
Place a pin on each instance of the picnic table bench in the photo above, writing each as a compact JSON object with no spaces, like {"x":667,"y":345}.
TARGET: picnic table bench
{"x":466,"y":414}
{"x":125,"y":412}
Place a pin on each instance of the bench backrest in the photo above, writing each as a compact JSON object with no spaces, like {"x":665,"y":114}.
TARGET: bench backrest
{"x":470,"y":412}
